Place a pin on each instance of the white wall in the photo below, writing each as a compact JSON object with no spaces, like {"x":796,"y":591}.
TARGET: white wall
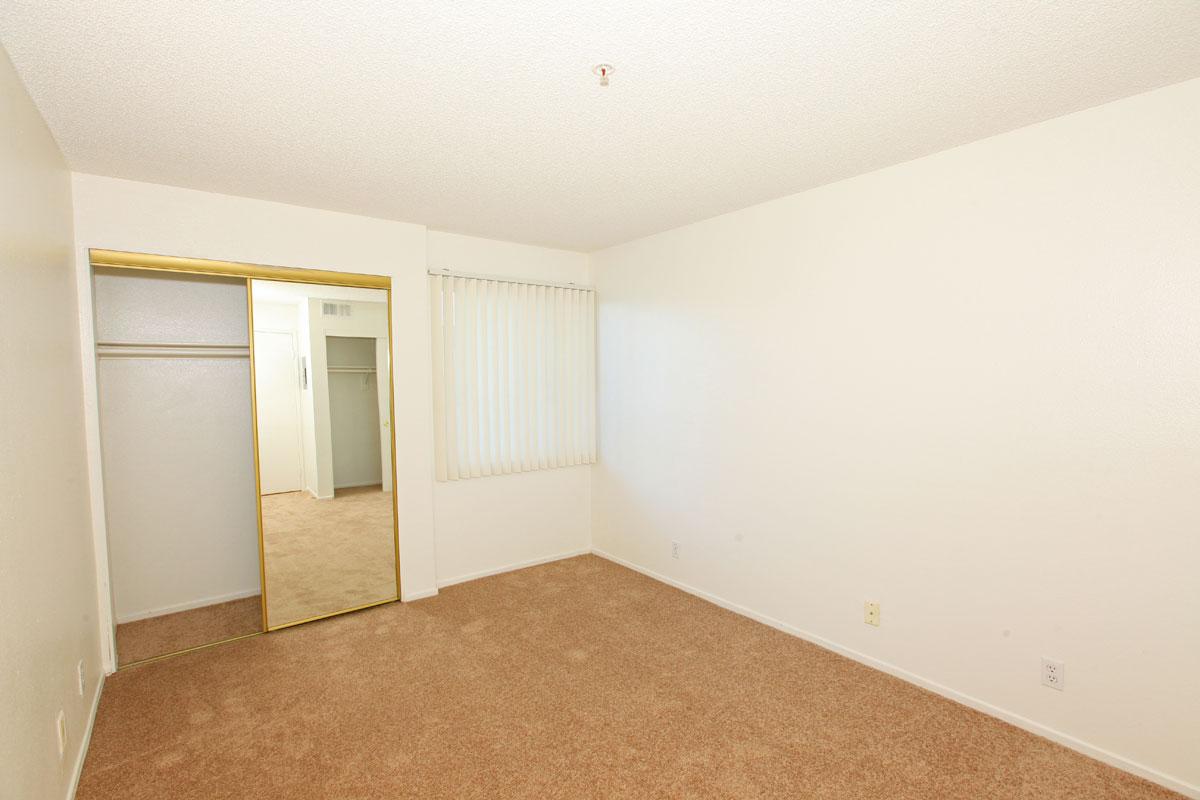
{"x":283,"y":440}
{"x":128,"y":215}
{"x":48,"y":597}
{"x":967,"y":387}
{"x":308,"y":411}
{"x":489,"y":524}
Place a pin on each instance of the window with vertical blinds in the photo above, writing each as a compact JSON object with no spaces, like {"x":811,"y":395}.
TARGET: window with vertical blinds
{"x":514,"y":376}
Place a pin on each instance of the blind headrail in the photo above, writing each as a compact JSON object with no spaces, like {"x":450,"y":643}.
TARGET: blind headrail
{"x":447,"y":273}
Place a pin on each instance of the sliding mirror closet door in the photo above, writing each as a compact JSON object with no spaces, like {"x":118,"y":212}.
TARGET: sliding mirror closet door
{"x":173,"y":374}
{"x":322,"y":382}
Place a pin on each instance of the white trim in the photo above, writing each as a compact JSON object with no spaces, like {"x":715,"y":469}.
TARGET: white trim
{"x":188,"y":606}
{"x":360,"y":485}
{"x":512,"y":567}
{"x":1098,"y":753}
{"x":411,"y":596}
{"x":106,"y":612}
{"x":86,"y":741}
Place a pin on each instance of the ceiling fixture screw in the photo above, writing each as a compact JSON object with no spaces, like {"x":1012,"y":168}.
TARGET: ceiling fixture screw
{"x":602,"y":71}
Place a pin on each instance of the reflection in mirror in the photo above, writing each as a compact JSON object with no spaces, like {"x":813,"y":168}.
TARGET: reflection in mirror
{"x":322,"y":391}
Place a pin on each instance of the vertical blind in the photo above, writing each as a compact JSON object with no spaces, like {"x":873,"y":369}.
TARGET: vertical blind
{"x":514,"y":376}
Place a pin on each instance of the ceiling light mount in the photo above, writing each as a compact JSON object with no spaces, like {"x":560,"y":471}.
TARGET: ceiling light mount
{"x":602,"y":71}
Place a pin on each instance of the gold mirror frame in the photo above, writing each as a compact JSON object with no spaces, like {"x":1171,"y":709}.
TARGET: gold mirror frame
{"x":236,"y":269}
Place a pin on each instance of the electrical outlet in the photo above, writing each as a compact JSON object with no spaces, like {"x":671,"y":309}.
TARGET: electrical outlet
{"x":871,"y":613}
{"x":1053,"y":673}
{"x":674,"y":549}
{"x":62,"y":733}
{"x":79,"y":673}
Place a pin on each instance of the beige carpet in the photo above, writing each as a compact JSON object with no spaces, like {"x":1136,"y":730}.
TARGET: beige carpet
{"x":170,"y":633}
{"x":576,"y":679}
{"x":324,"y":556}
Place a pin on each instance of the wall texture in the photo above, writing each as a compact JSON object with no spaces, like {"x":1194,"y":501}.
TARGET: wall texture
{"x":967,"y":387}
{"x":47,"y":580}
{"x":486,"y":525}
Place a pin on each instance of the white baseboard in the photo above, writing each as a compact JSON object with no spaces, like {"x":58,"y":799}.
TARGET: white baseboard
{"x":1098,"y":753}
{"x":421,"y":595}
{"x":337,"y":486}
{"x":188,"y":606}
{"x":511,"y":567}
{"x":86,"y":741}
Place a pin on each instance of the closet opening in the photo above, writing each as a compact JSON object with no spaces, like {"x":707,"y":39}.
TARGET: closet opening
{"x":246,"y":448}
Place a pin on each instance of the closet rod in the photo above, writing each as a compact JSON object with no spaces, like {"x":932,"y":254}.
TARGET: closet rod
{"x":170,"y":350}
{"x":446,"y":273}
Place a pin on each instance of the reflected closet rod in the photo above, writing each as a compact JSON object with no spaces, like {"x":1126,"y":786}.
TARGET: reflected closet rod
{"x":446,"y":273}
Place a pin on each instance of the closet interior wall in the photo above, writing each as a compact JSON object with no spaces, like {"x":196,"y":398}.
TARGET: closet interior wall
{"x":176,"y":437}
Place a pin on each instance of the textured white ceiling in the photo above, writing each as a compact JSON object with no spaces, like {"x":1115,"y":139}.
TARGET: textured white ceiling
{"x":484,"y":117}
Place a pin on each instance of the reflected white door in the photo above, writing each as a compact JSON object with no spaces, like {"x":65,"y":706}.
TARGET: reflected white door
{"x":277,"y":390}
